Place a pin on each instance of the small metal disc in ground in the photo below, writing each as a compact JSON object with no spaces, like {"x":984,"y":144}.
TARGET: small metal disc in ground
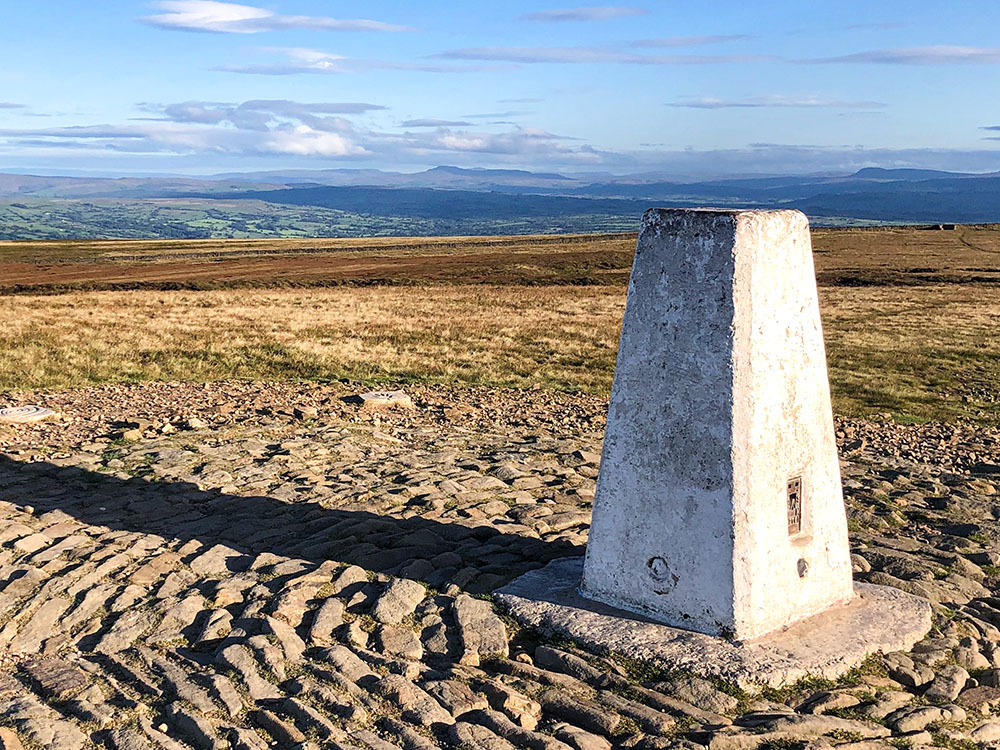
{"x":25,"y":414}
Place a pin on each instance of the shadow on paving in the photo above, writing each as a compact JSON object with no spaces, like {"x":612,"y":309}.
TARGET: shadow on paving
{"x":477,"y":558}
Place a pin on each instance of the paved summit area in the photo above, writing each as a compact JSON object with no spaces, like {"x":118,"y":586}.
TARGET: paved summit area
{"x":247,"y":565}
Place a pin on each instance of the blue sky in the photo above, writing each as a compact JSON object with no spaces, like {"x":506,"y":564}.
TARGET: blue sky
{"x":687,"y":88}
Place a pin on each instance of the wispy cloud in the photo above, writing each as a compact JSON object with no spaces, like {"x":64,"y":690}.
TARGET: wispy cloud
{"x":260,"y":114}
{"x":495,"y":115}
{"x":596,"y":13}
{"x":934,"y":55}
{"x":882,"y":26}
{"x":80,"y":132}
{"x":184,"y":138}
{"x":10,"y":105}
{"x":298,"y":60}
{"x":772,"y":100}
{"x":589,"y":55}
{"x":434,"y":123}
{"x":233,"y":18}
{"x":282,"y":128}
{"x":526,"y":100}
{"x":289,"y":141}
{"x":689,"y":41}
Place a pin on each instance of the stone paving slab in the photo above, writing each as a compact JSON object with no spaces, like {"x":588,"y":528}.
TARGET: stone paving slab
{"x":238,"y":565}
{"x":880,"y":619}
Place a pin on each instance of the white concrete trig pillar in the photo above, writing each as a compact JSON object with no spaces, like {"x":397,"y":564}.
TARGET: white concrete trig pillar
{"x":719,"y":506}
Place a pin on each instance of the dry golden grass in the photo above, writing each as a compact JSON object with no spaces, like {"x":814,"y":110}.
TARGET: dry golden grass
{"x":912,"y":351}
{"x":929,"y":352}
{"x":560,"y":336}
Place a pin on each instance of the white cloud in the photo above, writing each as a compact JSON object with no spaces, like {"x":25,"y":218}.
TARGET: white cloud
{"x":521,"y":143}
{"x":233,"y":18}
{"x":10,"y":105}
{"x":597,"y":13}
{"x":302,"y":140}
{"x":259,"y":126}
{"x":934,"y":55}
{"x":182,"y":138}
{"x":304,"y":60}
{"x":772,"y":100}
{"x":589,"y":55}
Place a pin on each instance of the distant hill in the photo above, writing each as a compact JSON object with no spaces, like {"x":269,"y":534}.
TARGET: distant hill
{"x":867,"y":195}
{"x":124,"y":187}
{"x":439,"y":177}
{"x":457,"y":200}
{"x":428,"y":203}
{"x":960,"y":200}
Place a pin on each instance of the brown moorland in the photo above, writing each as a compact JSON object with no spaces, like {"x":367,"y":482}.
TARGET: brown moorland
{"x":241,"y":563}
{"x":851,"y":257}
{"x":910,"y":315}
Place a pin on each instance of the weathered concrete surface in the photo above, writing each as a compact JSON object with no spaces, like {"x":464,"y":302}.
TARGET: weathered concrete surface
{"x":879,"y":619}
{"x":720,"y":401}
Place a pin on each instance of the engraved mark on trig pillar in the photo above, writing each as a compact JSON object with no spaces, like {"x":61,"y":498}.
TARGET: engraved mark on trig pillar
{"x":794,"y":506}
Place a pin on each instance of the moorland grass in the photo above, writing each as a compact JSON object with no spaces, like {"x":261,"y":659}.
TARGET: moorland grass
{"x":918,"y":352}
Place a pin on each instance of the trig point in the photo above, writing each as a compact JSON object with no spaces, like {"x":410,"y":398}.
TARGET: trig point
{"x":718,"y":506}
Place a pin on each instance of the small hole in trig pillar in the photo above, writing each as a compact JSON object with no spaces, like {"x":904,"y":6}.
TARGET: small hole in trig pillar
{"x":794,"y":506}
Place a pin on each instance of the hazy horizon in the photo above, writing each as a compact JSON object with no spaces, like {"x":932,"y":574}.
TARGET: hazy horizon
{"x":573,"y":175}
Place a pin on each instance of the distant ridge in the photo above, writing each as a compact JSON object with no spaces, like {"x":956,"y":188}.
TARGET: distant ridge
{"x":480,"y":172}
{"x":458,"y":200}
{"x":878,"y":173}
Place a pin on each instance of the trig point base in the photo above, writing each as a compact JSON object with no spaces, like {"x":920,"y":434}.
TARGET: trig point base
{"x":719,"y":506}
{"x":878,"y":619}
